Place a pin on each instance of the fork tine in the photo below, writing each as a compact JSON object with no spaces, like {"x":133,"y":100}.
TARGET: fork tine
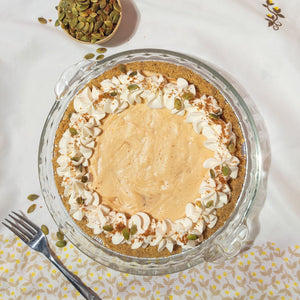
{"x":19,"y":228}
{"x":16,"y":232}
{"x":23,"y":224}
{"x":25,"y":219}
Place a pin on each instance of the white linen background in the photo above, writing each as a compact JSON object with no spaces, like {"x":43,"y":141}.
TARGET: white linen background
{"x":231,"y":34}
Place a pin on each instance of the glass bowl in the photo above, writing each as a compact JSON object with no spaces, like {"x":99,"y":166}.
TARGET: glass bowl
{"x":225,"y":242}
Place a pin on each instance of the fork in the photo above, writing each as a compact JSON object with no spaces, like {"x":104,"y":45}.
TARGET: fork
{"x":33,"y":236}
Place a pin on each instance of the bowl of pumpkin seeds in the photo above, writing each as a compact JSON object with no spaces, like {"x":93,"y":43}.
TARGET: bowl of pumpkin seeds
{"x":90,"y":21}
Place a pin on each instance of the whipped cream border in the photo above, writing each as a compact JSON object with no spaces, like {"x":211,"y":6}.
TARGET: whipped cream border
{"x":78,"y":141}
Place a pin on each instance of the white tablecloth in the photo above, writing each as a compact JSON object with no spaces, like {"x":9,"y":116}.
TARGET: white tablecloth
{"x":232,"y":34}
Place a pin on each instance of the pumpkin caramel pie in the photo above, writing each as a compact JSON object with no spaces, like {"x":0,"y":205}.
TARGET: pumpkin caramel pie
{"x":147,"y":159}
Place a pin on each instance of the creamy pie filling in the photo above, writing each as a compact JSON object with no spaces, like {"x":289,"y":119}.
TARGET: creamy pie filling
{"x":155,"y":170}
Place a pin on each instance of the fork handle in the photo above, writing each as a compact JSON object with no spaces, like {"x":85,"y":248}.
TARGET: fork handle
{"x":85,"y":291}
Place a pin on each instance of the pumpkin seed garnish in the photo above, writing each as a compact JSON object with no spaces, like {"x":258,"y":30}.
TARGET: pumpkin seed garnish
{"x":108,"y":228}
{"x":76,"y":158}
{"x":209,"y":204}
{"x":101,"y":50}
{"x":60,"y":235}
{"x":213,"y":116}
{"x":122,"y":68}
{"x":132,"y":87}
{"x":125,"y":233}
{"x":32,"y":197}
{"x":187,"y":96}
{"x":225,"y":170}
{"x":133,"y":229}
{"x":212,"y":173}
{"x":61,"y":244}
{"x":134,"y":73}
{"x":57,"y":23}
{"x":177,"y":104}
{"x":84,"y":179}
{"x":45,"y":229}
{"x":113,"y":94}
{"x":99,"y":57}
{"x":231,"y":148}
{"x":89,"y":56}
{"x":199,"y":204}
{"x":42,"y":20}
{"x":192,"y":237}
{"x":73,"y":131}
{"x":80,"y":200}
{"x":31,"y":208}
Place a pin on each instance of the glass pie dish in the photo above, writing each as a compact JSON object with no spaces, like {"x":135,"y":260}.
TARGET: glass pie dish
{"x":227,"y":241}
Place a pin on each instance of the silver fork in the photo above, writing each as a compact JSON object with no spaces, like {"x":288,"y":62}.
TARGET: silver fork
{"x":33,"y":236}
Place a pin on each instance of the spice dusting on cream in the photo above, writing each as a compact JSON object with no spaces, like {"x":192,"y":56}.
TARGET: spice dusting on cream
{"x":137,"y":208}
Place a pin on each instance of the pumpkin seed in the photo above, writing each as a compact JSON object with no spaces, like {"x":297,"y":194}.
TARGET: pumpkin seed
{"x":132,"y":74}
{"x":125,"y":233}
{"x":133,"y":229}
{"x":101,"y":50}
{"x":86,"y":27}
{"x":192,"y":237}
{"x":117,"y":7}
{"x":212,"y":173}
{"x":85,"y":38}
{"x":57,"y":23}
{"x":115,"y":18}
{"x":61,"y":16}
{"x":93,"y":15}
{"x":80,"y":25}
{"x":177,"y":104}
{"x":32,"y":197}
{"x":113,"y":94}
{"x":89,"y":56}
{"x":187,"y":96}
{"x":91,"y":28}
{"x":74,"y":11}
{"x":84,"y":179}
{"x":102,"y":4}
{"x":81,"y":19}
{"x":231,"y":148}
{"x":199,"y":204}
{"x":132,"y":87}
{"x":213,"y":116}
{"x":60,"y":235}
{"x":225,"y":170}
{"x":45,"y":229}
{"x":42,"y":20}
{"x":97,"y":35}
{"x":31,"y":208}
{"x":75,"y":158}
{"x":73,"y":22}
{"x":61,"y":244}
{"x":82,"y":7}
{"x":80,"y":200}
{"x":108,"y":228}
{"x":209,"y":204}
{"x":99,"y":57}
{"x":73,"y":131}
{"x":122,"y":68}
{"x":108,"y":24}
{"x":108,"y":31}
